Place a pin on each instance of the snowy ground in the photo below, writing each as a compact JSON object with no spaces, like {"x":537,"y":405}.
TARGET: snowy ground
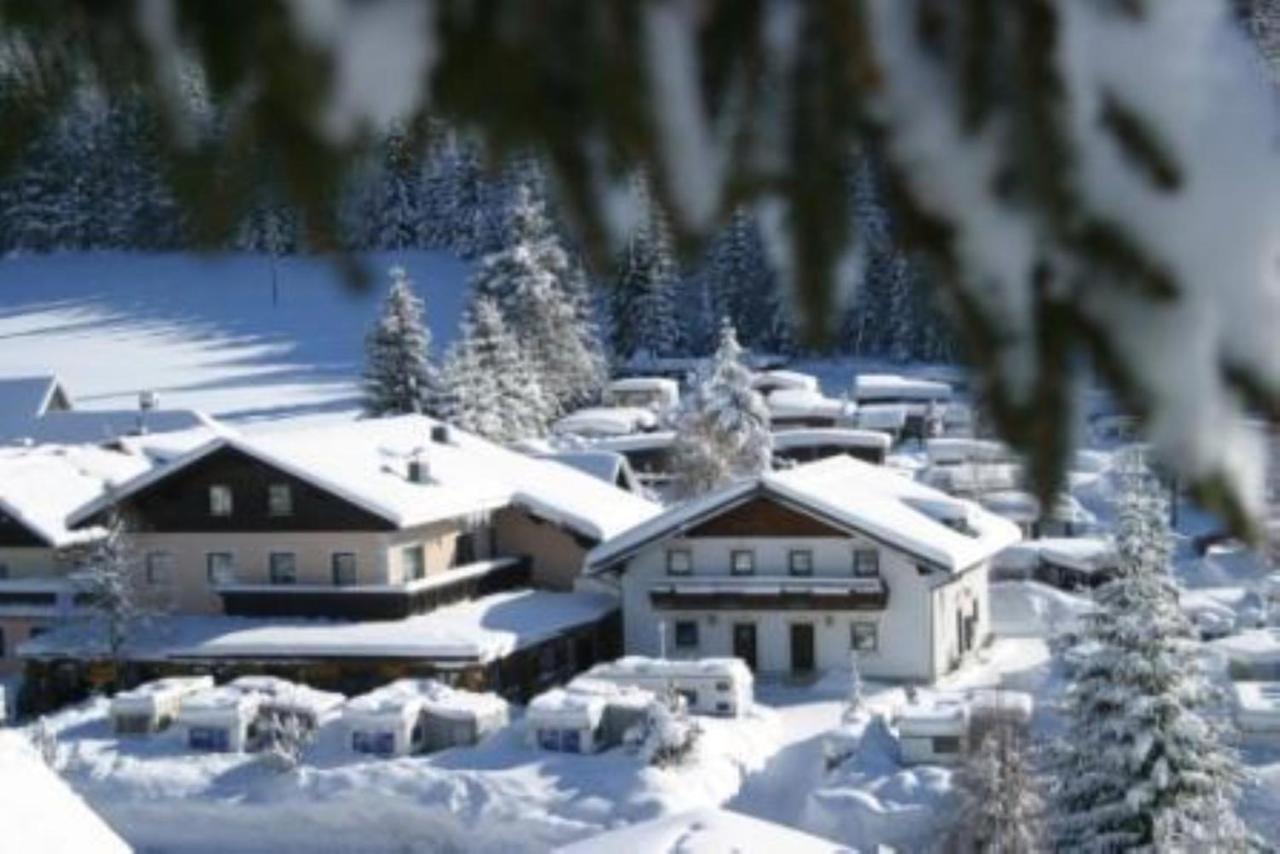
{"x":207,"y":333}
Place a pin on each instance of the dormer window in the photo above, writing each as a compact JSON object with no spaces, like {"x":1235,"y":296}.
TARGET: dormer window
{"x":679,"y":562}
{"x":279,"y":500}
{"x":866,"y":563}
{"x":219,"y":500}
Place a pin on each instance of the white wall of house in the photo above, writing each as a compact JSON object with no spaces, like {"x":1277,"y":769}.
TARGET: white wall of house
{"x":913,"y":639}
{"x":556,"y":556}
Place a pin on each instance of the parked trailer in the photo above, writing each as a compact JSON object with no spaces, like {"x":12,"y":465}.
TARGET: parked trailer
{"x":221,"y":720}
{"x":710,"y":686}
{"x":152,"y":706}
{"x":586,"y":716}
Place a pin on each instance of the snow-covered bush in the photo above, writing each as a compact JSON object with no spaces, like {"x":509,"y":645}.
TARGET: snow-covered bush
{"x":285,"y":738}
{"x":668,"y":736}
{"x":855,"y":705}
{"x":45,"y":742}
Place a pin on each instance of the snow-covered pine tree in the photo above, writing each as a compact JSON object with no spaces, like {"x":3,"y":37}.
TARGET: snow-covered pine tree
{"x":399,"y":376}
{"x":722,"y":432}
{"x":110,"y":587}
{"x":855,"y":705}
{"x":542,"y":298}
{"x":394,"y":220}
{"x":1141,"y":766}
{"x":491,"y":387}
{"x":642,"y":301}
{"x":741,"y":282}
{"x":1003,"y":811}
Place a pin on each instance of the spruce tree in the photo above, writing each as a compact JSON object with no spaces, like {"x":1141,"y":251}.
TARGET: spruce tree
{"x":542,"y":298}
{"x":1141,"y":766}
{"x":399,"y":376}
{"x":489,"y":384}
{"x":723,"y":430}
{"x":642,"y":302}
{"x":1003,"y":810}
{"x":742,"y":284}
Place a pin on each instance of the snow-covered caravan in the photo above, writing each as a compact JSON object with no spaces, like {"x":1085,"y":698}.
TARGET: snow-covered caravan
{"x":221,"y":720}
{"x":1257,"y":707}
{"x":648,"y":453}
{"x":586,"y":716}
{"x":807,"y":445}
{"x":933,"y":730}
{"x":659,"y":394}
{"x":791,"y":408}
{"x":282,"y":699}
{"x":894,"y":388}
{"x":996,"y":707}
{"x":598,"y":421}
{"x":710,"y":686}
{"x":152,"y":706}
{"x":1252,"y":655}
{"x":770,"y":381}
{"x":420,"y":715}
{"x":885,"y":417}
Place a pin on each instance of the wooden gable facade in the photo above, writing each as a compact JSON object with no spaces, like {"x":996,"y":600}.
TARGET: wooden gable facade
{"x":764,"y":516}
{"x":180,"y":503}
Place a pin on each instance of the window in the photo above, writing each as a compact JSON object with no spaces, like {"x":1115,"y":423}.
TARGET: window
{"x":742,"y":562}
{"x":4,"y":570}
{"x":209,"y":738}
{"x":800,"y":562}
{"x":571,"y":741}
{"x":414,"y":560}
{"x":686,"y":634}
{"x":344,"y":569}
{"x":159,"y":567}
{"x":377,"y":743}
{"x":279,"y":500}
{"x":864,"y":637}
{"x":946,"y":744}
{"x":2,"y":650}
{"x":464,"y":549}
{"x":549,"y":739}
{"x":689,"y":695}
{"x":219,"y":567}
{"x":219,"y":500}
{"x":37,"y":631}
{"x":866,"y":563}
{"x":284,"y":568}
{"x":679,"y":562}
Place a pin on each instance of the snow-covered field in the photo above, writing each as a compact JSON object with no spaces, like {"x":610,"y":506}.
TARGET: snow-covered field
{"x":207,"y":333}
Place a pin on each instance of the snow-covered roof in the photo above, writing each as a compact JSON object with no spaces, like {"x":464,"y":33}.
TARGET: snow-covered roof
{"x":367,"y":463}
{"x":42,"y":485}
{"x":607,"y":466}
{"x":896,"y":387}
{"x":282,"y":695}
{"x":785,"y":379}
{"x":862,"y":497}
{"x":220,"y":701}
{"x":1259,"y":700}
{"x":98,"y":426}
{"x":40,"y":813}
{"x":665,"y":385}
{"x":1257,"y":646}
{"x":440,"y":699}
{"x":28,"y":397}
{"x":843,"y":436}
{"x":709,"y":830}
{"x":802,"y":402}
{"x":933,"y":715}
{"x":606,"y":421}
{"x":148,"y":695}
{"x":582,"y":703}
{"x":657,"y":440}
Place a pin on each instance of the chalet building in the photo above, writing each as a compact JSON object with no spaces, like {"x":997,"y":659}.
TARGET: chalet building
{"x":792,"y":570}
{"x":39,"y":487}
{"x":375,"y":519}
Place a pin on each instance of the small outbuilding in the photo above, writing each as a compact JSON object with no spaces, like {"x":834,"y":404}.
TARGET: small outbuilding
{"x":152,"y":706}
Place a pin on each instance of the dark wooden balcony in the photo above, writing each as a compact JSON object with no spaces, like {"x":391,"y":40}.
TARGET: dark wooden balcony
{"x":376,"y":602}
{"x":728,"y":593}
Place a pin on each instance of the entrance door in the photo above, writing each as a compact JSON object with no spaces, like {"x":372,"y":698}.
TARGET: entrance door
{"x":801,"y":647}
{"x":744,"y":643}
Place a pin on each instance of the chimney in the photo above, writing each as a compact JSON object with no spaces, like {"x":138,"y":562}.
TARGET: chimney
{"x":148,"y":400}
{"x":419,"y":469}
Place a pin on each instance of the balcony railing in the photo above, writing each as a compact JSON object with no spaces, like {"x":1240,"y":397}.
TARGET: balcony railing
{"x":730,"y":593}
{"x":376,"y":601}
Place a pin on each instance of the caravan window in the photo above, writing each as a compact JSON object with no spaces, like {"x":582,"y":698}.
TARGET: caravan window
{"x":378,"y":743}
{"x":571,"y":741}
{"x":946,"y":744}
{"x":549,"y":739}
{"x":209,"y":738}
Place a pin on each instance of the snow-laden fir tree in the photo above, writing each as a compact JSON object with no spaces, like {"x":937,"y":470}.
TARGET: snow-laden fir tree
{"x":742,"y":284}
{"x":854,"y":705}
{"x":395,"y":217}
{"x":399,"y":376}
{"x":1141,"y":765}
{"x":643,"y":300}
{"x":722,"y":432}
{"x":489,"y":385}
{"x":542,"y":297}
{"x":110,"y":587}
{"x":1003,"y":811}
